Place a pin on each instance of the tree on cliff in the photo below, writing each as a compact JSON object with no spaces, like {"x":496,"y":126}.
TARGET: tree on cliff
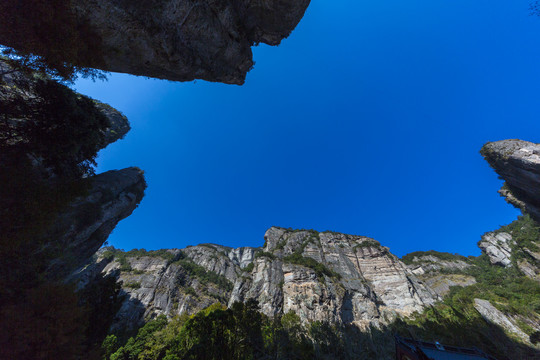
{"x":46,"y":36}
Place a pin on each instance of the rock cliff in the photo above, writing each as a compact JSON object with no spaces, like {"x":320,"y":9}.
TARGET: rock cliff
{"x":321,"y":276}
{"x":184,"y":40}
{"x":518,"y":163}
{"x":440,"y":271}
{"x":179,"y":40}
{"x":517,"y":244}
{"x":82,"y":228}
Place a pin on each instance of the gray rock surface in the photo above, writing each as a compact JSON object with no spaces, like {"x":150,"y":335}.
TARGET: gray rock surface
{"x":183,"y":40}
{"x":491,"y":314}
{"x":441,"y":283}
{"x":365,"y":285}
{"x":440,"y":274}
{"x":518,"y":163}
{"x":429,"y":263}
{"x":498,"y":247}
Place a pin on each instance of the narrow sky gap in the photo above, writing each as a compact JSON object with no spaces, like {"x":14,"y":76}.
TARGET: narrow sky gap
{"x":367,"y":120}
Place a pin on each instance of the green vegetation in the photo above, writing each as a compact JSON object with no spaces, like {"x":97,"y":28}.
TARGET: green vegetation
{"x":526,"y":234}
{"x":456,"y":321}
{"x":204,"y":275}
{"x":49,"y":38}
{"x":281,"y":244}
{"x":298,"y":259}
{"x":409,"y":258}
{"x":266,"y":255}
{"x":320,"y":269}
{"x":369,"y":243}
{"x":48,"y":142}
{"x":240,"y":332}
{"x":191,"y":291}
{"x":122,"y":256}
{"x":249,"y":267}
{"x":133,"y":285}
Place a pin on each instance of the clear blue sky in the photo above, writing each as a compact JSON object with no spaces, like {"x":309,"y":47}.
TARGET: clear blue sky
{"x":367,"y":120}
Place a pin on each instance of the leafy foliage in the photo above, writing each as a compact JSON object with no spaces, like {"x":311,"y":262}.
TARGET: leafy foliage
{"x":320,"y":269}
{"x":204,"y":275}
{"x":240,"y":332}
{"x":49,"y":137}
{"x":249,"y":267}
{"x":133,"y":285}
{"x":526,"y":234}
{"x":46,"y":36}
{"x":265,"y":254}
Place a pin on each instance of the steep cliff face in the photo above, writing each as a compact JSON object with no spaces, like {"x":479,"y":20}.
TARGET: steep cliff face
{"x":184,"y":40}
{"x":518,"y":163}
{"x":440,"y":271}
{"x":40,"y":139}
{"x":325,"y":276}
{"x":86,"y":223}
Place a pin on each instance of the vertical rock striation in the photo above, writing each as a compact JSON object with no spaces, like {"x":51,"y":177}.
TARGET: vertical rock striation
{"x":344,"y":279}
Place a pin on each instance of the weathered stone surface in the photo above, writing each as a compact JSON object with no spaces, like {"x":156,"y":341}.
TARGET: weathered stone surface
{"x":441,"y":283}
{"x":493,"y":315}
{"x":498,"y":247}
{"x":83,"y":227}
{"x":440,"y":274}
{"x":370,"y":286}
{"x":429,"y":263}
{"x":518,"y":163}
{"x":183,"y":40}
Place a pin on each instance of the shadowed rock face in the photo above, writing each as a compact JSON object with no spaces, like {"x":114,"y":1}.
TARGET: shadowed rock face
{"x":23,"y":84}
{"x":518,"y":163}
{"x":183,"y":40}
{"x":83,"y":227}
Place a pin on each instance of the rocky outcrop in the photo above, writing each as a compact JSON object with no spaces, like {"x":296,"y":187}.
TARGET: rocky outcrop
{"x":493,"y":315}
{"x":439,"y":271}
{"x":498,"y":247}
{"x":516,"y":244}
{"x":82,"y":228}
{"x":183,"y":40}
{"x":345,"y":279}
{"x":442,"y":283}
{"x":423,"y":264}
{"x":518,"y":163}
{"x":22,"y":85}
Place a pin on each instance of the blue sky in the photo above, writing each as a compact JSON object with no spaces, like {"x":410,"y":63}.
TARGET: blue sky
{"x":367,"y":120}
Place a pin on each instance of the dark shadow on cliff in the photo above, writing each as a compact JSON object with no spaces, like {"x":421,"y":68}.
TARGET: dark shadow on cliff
{"x":49,"y":138}
{"x":464,"y":332}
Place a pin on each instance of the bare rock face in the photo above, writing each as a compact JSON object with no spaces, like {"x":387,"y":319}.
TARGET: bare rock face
{"x":491,"y":314}
{"x":344,"y":279}
{"x":518,"y":163}
{"x":169,"y":282}
{"x":183,"y":40}
{"x":439,"y":271}
{"x":498,"y":247}
{"x":429,"y":263}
